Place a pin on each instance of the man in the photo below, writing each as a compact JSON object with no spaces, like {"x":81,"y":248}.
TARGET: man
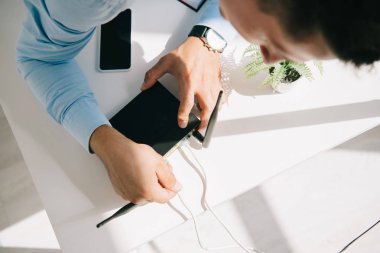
{"x":285,"y":29}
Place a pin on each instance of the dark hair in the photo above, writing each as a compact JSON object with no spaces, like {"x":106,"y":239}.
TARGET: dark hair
{"x":350,"y":27}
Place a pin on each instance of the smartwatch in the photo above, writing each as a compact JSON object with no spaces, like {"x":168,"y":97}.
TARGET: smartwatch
{"x":211,"y":39}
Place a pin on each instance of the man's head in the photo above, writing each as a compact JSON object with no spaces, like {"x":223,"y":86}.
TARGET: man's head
{"x":302,"y":30}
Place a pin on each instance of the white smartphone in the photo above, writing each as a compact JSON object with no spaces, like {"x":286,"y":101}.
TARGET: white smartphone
{"x":114,"y":44}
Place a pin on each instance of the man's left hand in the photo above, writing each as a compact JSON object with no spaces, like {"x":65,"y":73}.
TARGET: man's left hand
{"x":197,"y":70}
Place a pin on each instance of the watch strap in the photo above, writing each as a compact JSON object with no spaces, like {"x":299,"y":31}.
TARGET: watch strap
{"x":199,"y":31}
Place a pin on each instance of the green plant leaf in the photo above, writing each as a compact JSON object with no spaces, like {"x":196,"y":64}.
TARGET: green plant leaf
{"x":253,"y":69}
{"x":278,"y":71}
{"x":278,"y":74}
{"x":267,"y":81}
{"x":302,"y":69}
{"x":253,"y":48}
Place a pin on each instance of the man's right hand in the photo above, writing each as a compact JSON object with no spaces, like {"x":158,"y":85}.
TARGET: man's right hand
{"x":137,"y":172}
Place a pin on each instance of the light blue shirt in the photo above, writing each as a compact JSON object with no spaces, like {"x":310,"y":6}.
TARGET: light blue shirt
{"x":53,"y":34}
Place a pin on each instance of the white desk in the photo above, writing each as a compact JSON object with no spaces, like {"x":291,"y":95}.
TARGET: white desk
{"x":256,"y":137}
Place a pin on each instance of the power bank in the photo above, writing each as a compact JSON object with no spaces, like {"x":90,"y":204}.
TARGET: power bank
{"x":151,"y":118}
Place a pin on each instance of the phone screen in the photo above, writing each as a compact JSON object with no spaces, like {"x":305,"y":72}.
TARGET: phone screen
{"x":115,"y":43}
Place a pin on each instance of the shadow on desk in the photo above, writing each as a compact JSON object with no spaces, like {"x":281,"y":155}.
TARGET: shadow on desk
{"x":23,"y":250}
{"x":260,"y":222}
{"x":330,"y":114}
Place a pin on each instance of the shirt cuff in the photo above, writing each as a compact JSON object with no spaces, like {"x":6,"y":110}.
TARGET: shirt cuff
{"x":211,"y":17}
{"x":81,"y":120}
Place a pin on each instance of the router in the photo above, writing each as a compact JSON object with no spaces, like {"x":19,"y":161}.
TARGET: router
{"x":151,"y":118}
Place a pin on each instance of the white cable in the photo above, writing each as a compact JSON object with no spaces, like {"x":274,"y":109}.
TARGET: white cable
{"x":205,"y":248}
{"x":204,"y":179}
{"x":208,"y":207}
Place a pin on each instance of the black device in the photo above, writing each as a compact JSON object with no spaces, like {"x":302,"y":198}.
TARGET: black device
{"x":151,"y":118}
{"x":115,"y":43}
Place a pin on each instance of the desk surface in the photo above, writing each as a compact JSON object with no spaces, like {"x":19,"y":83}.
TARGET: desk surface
{"x":259,"y":134}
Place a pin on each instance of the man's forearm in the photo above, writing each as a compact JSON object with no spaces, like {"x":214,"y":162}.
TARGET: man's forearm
{"x":51,"y":37}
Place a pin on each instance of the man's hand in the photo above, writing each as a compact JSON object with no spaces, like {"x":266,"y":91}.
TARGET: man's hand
{"x":197,"y":71}
{"x":137,"y":172}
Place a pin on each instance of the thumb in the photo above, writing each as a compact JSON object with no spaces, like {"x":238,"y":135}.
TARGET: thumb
{"x":167,"y":186}
{"x":167,"y":179}
{"x":155,"y":73}
{"x":162,"y":195}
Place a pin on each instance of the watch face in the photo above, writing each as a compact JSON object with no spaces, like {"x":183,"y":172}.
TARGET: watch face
{"x":215,"y":40}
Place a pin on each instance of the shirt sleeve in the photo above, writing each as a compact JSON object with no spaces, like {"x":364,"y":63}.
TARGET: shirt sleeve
{"x":52,"y":35}
{"x":212,"y":18}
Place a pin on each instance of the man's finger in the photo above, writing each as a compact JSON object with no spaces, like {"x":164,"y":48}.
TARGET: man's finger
{"x":206,"y":104}
{"x":185,"y":106}
{"x":167,"y":179}
{"x":162,"y":195}
{"x":205,"y":117}
{"x":167,"y":186}
{"x":155,"y":73}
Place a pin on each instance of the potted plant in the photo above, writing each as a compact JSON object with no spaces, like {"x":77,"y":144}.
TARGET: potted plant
{"x":282,"y":75}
